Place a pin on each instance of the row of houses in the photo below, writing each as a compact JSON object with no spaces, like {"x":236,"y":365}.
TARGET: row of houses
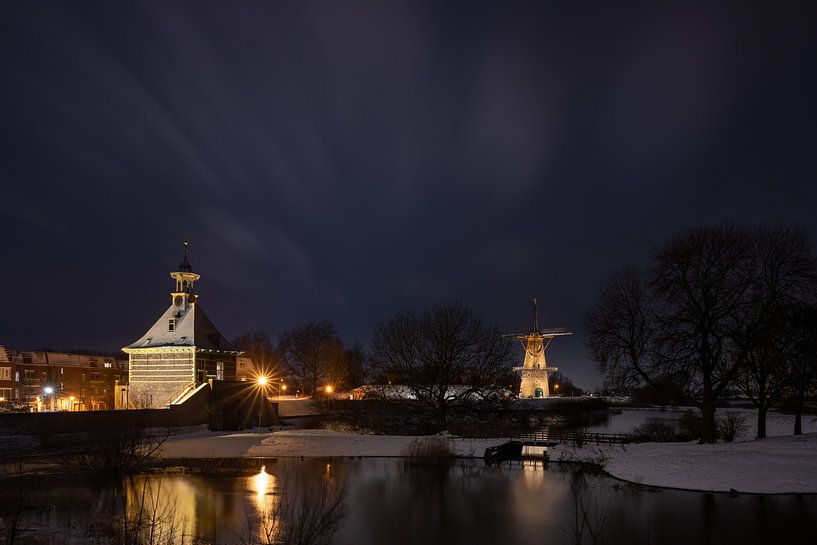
{"x":43,"y":380}
{"x":47,"y":380}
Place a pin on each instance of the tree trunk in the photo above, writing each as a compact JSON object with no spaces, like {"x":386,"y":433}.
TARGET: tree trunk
{"x":442,"y":409}
{"x":709,"y":433}
{"x":798,"y":414}
{"x":762,"y":410}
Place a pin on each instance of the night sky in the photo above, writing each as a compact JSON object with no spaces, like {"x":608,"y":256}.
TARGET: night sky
{"x":346,"y":159}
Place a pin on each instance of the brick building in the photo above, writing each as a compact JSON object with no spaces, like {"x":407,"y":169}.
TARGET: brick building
{"x":181,"y":351}
{"x":48,"y":380}
{"x":245,"y":369}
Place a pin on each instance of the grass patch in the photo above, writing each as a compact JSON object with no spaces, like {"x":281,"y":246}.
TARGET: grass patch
{"x":429,"y":451}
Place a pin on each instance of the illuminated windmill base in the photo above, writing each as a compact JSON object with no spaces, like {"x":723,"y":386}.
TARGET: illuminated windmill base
{"x":535,"y":371}
{"x":535,"y":381}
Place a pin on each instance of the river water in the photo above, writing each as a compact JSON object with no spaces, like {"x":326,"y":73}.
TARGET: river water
{"x":385,"y":501}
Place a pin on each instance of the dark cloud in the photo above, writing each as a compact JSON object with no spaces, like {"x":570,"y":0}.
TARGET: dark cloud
{"x":342,"y":160}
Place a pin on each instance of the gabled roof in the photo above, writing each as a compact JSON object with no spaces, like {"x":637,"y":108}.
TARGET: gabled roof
{"x":193,"y":328}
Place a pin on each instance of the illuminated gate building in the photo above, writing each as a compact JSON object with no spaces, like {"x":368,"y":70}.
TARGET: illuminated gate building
{"x":535,"y":370}
{"x":182,"y":351}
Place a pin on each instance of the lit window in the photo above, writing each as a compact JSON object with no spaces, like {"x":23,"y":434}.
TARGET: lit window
{"x":219,"y":370}
{"x":108,"y":365}
{"x":5,"y":373}
{"x":171,"y":324}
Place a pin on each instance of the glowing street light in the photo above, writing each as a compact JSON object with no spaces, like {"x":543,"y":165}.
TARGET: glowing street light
{"x":48,"y":390}
{"x":328,"y":389}
{"x":262,"y":380}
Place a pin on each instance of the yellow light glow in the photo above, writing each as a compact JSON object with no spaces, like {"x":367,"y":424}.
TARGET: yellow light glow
{"x":262,"y":381}
{"x":284,"y":387}
{"x":72,"y":398}
{"x":328,"y":389}
{"x":2,"y":398}
{"x":261,"y":484}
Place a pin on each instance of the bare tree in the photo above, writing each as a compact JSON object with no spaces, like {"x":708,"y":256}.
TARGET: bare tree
{"x":588,"y":517}
{"x":113,"y":452}
{"x":310,"y":352}
{"x":783,"y":277}
{"x":308,"y":512}
{"x":702,"y":283}
{"x":801,"y":369}
{"x":763,"y":376}
{"x":696,"y":316}
{"x":445,"y":355}
{"x":620,"y":329}
{"x":259,"y":347}
{"x":356,"y":361}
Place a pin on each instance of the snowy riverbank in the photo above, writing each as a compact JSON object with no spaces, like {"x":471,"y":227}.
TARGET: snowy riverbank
{"x":308,"y":443}
{"x":783,"y":464}
{"x":776,"y":465}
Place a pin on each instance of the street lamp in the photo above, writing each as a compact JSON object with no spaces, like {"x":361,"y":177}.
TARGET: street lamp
{"x":262,"y":380}
{"x":48,"y":390}
{"x":556,"y":387}
{"x":328,"y":389}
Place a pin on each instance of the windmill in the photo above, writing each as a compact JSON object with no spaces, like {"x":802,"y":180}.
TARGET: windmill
{"x":534,"y":370}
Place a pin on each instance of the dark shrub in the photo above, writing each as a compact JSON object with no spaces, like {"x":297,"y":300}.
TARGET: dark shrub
{"x":690,"y":425}
{"x":731,"y":425}
{"x":655,"y":431}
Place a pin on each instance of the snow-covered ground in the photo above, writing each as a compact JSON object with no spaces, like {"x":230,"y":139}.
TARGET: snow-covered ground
{"x":776,"y":465}
{"x":311,"y":443}
{"x":780,"y":464}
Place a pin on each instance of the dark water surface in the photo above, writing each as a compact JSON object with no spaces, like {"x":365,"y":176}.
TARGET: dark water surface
{"x":388,"y":502}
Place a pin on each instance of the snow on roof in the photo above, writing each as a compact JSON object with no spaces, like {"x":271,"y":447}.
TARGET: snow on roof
{"x":192,"y":328}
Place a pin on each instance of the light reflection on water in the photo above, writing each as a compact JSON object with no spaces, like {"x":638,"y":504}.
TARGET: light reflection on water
{"x":263,"y":483}
{"x":389,"y":502}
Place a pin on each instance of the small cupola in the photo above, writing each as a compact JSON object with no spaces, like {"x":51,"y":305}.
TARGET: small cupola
{"x":184,"y":294}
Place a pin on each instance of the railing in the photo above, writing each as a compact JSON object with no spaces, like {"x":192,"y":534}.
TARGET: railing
{"x":576,"y":437}
{"x":555,"y":436}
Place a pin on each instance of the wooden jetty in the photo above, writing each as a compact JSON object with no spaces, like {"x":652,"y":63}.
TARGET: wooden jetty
{"x":515,"y":447}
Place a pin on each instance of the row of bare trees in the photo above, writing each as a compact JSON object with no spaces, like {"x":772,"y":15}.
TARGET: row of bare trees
{"x":310,"y":356}
{"x":715,"y":308}
{"x":444,"y":356}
